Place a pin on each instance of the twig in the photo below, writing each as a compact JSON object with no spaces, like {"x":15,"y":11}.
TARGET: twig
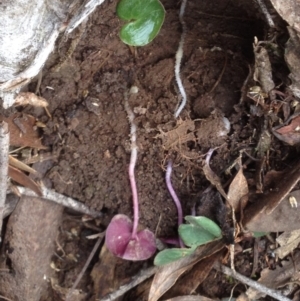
{"x":4,"y":149}
{"x":174,"y":197}
{"x":61,"y":200}
{"x":133,"y":158}
{"x":254,"y":284}
{"x":142,"y":276}
{"x":266,"y":13}
{"x":96,"y":246}
{"x":179,"y":55}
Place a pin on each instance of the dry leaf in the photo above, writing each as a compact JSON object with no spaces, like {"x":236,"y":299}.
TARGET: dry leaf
{"x":20,"y":165}
{"x":211,"y":176}
{"x":29,"y":98}
{"x":263,"y":69}
{"x":289,"y":134}
{"x":284,"y":218}
{"x":23,"y":132}
{"x":277,"y":278}
{"x":191,"y":280}
{"x":181,"y":134}
{"x":264,"y":204}
{"x":24,"y":180}
{"x":167,"y":275}
{"x":288,"y":241}
{"x":103,"y":273}
{"x":237,"y":190}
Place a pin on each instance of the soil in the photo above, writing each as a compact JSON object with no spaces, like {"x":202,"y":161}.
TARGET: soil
{"x":89,"y":128}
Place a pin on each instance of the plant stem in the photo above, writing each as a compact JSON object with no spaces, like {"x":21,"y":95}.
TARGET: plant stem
{"x":178,"y":57}
{"x":133,"y":158}
{"x":174,"y":197}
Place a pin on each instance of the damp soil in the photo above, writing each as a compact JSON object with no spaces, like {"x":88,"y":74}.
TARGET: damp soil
{"x":89,"y":128}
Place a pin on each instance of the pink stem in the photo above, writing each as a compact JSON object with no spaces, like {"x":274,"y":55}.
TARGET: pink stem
{"x":132,"y":163}
{"x":174,"y":197}
{"x":134,"y":192}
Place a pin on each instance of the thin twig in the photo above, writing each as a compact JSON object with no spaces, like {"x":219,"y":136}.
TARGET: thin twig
{"x":142,"y":276}
{"x":179,"y":55}
{"x":266,"y":13}
{"x":97,"y":244}
{"x":174,"y":197}
{"x":62,"y":200}
{"x":254,"y":284}
{"x":133,"y":158}
{"x":4,"y":149}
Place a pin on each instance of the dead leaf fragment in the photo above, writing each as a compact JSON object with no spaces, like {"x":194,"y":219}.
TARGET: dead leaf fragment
{"x":191,"y":298}
{"x":288,"y":241}
{"x":289,"y":134}
{"x":284,"y":218}
{"x":263,"y":69}
{"x":23,"y":131}
{"x":167,"y":275}
{"x":277,"y":278}
{"x":29,"y":98}
{"x":24,"y":180}
{"x":238,"y":189}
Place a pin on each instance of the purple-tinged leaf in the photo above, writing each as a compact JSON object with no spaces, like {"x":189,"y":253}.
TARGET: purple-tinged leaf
{"x":120,"y":242}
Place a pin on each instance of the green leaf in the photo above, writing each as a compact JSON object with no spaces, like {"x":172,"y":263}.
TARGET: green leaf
{"x":145,"y":20}
{"x":170,"y":255}
{"x":200,"y":231}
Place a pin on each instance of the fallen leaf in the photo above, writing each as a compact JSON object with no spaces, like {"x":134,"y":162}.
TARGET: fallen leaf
{"x":103,"y":273}
{"x":211,"y":176}
{"x":181,"y":134}
{"x":187,"y":284}
{"x":284,"y":218}
{"x":264,"y":204}
{"x":289,"y":134}
{"x":288,"y":241}
{"x":24,"y":180}
{"x":263,"y":69}
{"x":278,"y":277}
{"x":238,"y":189}
{"x":22,"y":166}
{"x":29,"y":98}
{"x":167,"y":275}
{"x":23,"y":132}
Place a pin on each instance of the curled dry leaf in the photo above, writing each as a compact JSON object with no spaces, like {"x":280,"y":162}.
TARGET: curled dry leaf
{"x":29,"y":98}
{"x":167,"y":275}
{"x":238,"y":189}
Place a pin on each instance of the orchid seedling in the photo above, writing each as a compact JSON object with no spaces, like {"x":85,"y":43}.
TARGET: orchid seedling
{"x":200,"y":230}
{"x":122,"y":236}
{"x":145,"y":19}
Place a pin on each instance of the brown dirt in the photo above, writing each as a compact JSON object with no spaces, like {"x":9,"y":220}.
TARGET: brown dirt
{"x":92,"y":141}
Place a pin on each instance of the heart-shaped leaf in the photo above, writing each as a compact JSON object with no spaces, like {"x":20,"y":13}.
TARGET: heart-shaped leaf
{"x":119,"y":240}
{"x":145,"y":20}
{"x":201,"y":230}
{"x":170,"y":255}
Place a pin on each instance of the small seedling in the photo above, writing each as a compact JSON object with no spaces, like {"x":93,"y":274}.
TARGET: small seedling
{"x":200,"y":231}
{"x":145,"y":20}
{"x":122,"y":236}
